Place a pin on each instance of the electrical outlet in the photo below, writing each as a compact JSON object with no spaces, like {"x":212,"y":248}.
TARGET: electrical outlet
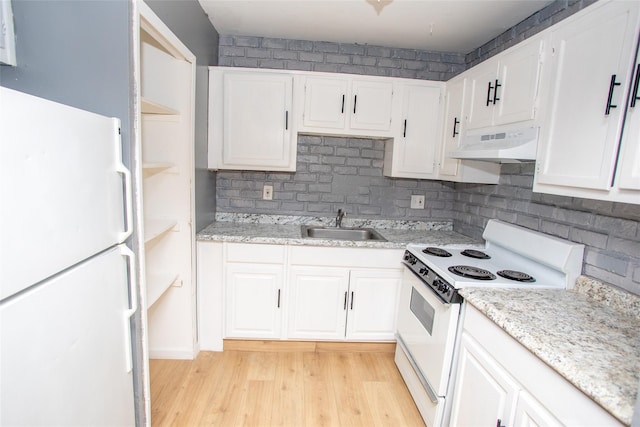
{"x":267,"y":192}
{"x":417,"y":202}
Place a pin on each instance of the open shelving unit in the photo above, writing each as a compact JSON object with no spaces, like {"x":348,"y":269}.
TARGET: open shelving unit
{"x":166,"y":97}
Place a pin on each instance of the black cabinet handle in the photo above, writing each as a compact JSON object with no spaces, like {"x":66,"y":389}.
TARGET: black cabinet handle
{"x":351,"y":300}
{"x":345,"y":300}
{"x":404,"y":132}
{"x":634,"y":94}
{"x":278,"y":298}
{"x":499,"y":423}
{"x":286,"y":120}
{"x":342,"y":110}
{"x":495,"y":92}
{"x":456,"y":122}
{"x":355,"y":100}
{"x":612,"y":86}
{"x":489,"y":93}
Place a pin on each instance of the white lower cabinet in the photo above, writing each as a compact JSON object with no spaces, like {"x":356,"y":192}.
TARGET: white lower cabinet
{"x":318,"y":303}
{"x":262,"y":291}
{"x":480,"y":375}
{"x":254,"y":277}
{"x":498,"y":382}
{"x":338,"y":303}
{"x":253,"y":300}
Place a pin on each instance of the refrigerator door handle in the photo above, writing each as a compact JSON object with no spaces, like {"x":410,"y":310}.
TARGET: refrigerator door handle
{"x":132,"y":306}
{"x":128,"y":198}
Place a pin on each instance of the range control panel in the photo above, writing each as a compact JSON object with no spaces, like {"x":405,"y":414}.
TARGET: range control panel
{"x":446,"y":292}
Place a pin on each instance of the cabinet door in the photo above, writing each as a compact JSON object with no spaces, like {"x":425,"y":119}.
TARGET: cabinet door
{"x":257,"y":115}
{"x":484,"y":393}
{"x":371,"y":103}
{"x":318,"y":303}
{"x":628,"y":177}
{"x":415,"y":150}
{"x":578,"y":145}
{"x":530,"y":413}
{"x":325,"y":102}
{"x":519,"y":79}
{"x":253,"y":300}
{"x":482,"y":91}
{"x":454,"y":114}
{"x":373,"y":298}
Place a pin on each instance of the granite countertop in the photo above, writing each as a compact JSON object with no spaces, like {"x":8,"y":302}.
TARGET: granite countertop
{"x":590,"y":335}
{"x":273,"y":229}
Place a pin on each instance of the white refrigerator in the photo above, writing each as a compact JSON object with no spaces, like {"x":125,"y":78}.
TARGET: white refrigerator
{"x":67,"y":288}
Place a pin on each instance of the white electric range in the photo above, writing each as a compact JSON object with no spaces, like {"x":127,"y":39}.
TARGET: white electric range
{"x":429,"y":310}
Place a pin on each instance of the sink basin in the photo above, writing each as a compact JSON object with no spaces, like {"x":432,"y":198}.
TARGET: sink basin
{"x":360,"y":234}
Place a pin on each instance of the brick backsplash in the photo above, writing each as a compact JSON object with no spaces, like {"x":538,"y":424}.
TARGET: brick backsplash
{"x":334,"y":173}
{"x":261,"y":52}
{"x":609,"y":231}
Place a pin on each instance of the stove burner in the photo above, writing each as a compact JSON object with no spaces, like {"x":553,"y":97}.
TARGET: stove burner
{"x":471,"y":272}
{"x":472,"y":253}
{"x":516,"y":275}
{"x":436,"y":252}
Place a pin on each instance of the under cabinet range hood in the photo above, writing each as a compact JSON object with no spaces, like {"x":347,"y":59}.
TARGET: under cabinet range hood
{"x":515,"y":146}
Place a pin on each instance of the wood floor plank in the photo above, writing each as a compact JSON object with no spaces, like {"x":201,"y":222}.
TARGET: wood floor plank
{"x":287,"y":388}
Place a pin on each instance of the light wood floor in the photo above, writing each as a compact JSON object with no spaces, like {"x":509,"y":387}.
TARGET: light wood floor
{"x":261,"y":383}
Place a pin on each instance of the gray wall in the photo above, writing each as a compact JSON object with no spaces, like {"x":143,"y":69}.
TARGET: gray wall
{"x":335,"y":173}
{"x":188,"y":22}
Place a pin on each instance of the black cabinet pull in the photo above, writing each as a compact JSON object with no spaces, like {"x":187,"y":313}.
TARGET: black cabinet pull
{"x":634,"y":94}
{"x":404,"y":132}
{"x":499,"y":423}
{"x":351,"y":300}
{"x":278,"y":298}
{"x":495,"y":92}
{"x":286,"y":120}
{"x":489,"y":93}
{"x":456,"y":122}
{"x":342,"y":110}
{"x":355,"y":100}
{"x":612,"y":86}
{"x":345,"y":300}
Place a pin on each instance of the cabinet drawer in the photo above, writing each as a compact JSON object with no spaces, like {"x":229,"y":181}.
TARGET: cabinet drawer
{"x":264,"y":254}
{"x":346,"y":257}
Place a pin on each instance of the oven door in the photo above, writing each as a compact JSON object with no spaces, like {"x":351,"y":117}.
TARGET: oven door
{"x":426,"y":336}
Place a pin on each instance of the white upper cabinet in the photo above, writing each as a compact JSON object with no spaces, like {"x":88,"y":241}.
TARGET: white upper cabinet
{"x":456,"y":107}
{"x":414,"y":150}
{"x":504,"y":89}
{"x":587,"y":148}
{"x":347,"y":105}
{"x":250,"y":120}
{"x":628,"y":173}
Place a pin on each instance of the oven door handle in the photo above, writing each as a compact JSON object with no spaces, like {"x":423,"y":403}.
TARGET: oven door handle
{"x":427,"y":387}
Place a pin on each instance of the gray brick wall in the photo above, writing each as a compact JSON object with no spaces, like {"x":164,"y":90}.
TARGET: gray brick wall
{"x":609,"y":231}
{"x":334,"y":173}
{"x":260,"y":52}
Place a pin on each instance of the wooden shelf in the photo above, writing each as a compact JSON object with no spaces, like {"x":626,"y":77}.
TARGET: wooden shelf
{"x":158,"y":284}
{"x":152,"y":168}
{"x":150,"y":107}
{"x":157,"y":227}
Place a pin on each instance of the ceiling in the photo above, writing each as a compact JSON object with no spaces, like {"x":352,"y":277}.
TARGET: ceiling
{"x":433,"y":25}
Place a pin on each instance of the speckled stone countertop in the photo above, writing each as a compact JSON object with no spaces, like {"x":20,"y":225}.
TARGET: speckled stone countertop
{"x":590,"y":335}
{"x":275,"y":229}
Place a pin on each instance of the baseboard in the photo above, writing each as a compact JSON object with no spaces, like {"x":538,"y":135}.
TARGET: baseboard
{"x":308,"y":346}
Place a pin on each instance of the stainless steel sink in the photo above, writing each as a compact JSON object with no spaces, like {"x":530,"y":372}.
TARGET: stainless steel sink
{"x":360,"y":234}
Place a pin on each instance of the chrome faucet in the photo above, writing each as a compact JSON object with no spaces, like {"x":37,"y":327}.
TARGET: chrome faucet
{"x":339,"y":217}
